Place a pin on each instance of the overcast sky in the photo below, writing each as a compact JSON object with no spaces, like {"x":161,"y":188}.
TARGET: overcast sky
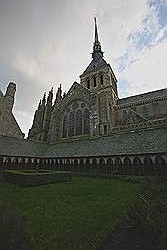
{"x":47,"y":42}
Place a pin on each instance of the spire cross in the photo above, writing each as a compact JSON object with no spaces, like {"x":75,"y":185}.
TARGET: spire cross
{"x":96,"y":33}
{"x":96,"y":46}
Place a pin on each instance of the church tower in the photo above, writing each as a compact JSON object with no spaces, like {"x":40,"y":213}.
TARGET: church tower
{"x":88,"y":108}
{"x":99,"y":78}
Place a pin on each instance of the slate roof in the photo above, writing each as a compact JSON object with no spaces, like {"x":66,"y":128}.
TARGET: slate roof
{"x":148,"y":141}
{"x":99,"y":63}
{"x":20,"y":147}
{"x":117,"y":144}
{"x":143,"y":97}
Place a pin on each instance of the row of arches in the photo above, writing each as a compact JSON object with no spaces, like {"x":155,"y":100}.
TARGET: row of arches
{"x":136,"y":165}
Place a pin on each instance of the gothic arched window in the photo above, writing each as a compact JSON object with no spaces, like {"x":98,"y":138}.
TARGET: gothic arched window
{"x":71,"y":124}
{"x":88,"y":84}
{"x":101,"y":79}
{"x":86,"y":121}
{"x":94,"y":81}
{"x":78,"y":122}
{"x":65,"y":126}
{"x":125,"y":115}
{"x":145,"y":112}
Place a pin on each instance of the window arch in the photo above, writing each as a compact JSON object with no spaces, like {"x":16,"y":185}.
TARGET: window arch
{"x":125,"y":115}
{"x":101,"y":79}
{"x":86,"y":121}
{"x":79,"y":122}
{"x":145,"y":112}
{"x":94,"y":81}
{"x":65,"y":126}
{"x":88,"y":84}
{"x":71,"y":124}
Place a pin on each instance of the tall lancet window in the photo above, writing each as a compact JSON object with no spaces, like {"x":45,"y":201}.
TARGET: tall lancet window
{"x":86,"y":121}
{"x":94,"y":81}
{"x":79,"y":122}
{"x":71,"y":124}
{"x":145,"y":112}
{"x":65,"y":126}
{"x":101,"y":79}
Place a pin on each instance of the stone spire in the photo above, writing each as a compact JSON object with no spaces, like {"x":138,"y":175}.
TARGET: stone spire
{"x":50,"y":97}
{"x":97,"y":52}
{"x":44,"y":99}
{"x":39,"y":105}
{"x":59,"y":94}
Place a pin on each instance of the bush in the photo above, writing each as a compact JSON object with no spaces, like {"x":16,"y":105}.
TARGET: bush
{"x":35,"y":178}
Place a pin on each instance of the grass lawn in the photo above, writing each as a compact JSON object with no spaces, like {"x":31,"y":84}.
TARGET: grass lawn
{"x":73,"y":216}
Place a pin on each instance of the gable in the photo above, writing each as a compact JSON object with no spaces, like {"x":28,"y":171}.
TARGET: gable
{"x":77,"y":91}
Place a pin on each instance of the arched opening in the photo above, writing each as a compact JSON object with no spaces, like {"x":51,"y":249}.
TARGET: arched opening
{"x":94,"y":165}
{"x":29,"y":163}
{"x":81,"y":165}
{"x":88,"y":84}
{"x":94,"y":82}
{"x":148,"y":166}
{"x":160,"y":168}
{"x":68,"y":167}
{"x":65,"y":126}
{"x":1,"y":163}
{"x":101,"y":79}
{"x":137,"y":166}
{"x":23,"y":163}
{"x":52,"y":164}
{"x":71,"y":124}
{"x":127,"y":166}
{"x":109,"y":166}
{"x":15,"y":164}
{"x":125,"y":115}
{"x":118,"y":166}
{"x":86,"y":118}
{"x":8,"y":163}
{"x":75,"y":165}
{"x":145,"y":112}
{"x":79,"y":122}
{"x":41,"y":164}
{"x":60,"y":164}
{"x":56,"y":164}
{"x":35,"y":164}
{"x":101,"y":165}
{"x":87,"y":167}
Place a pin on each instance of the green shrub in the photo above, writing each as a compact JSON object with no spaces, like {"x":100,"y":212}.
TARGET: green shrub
{"x":30,"y":178}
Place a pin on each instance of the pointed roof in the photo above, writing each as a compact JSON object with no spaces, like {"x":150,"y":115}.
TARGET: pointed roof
{"x":1,"y":94}
{"x":44,"y":99}
{"x":98,"y":61}
{"x":97,"y":52}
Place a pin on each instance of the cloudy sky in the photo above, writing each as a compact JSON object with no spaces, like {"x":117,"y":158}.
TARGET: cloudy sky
{"x":47,"y":42}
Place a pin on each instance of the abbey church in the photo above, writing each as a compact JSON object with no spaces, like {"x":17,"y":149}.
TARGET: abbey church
{"x":89,"y":129}
{"x":92,"y":108}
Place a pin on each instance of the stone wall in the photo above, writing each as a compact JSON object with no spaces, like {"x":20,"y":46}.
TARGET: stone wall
{"x":8,"y":124}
